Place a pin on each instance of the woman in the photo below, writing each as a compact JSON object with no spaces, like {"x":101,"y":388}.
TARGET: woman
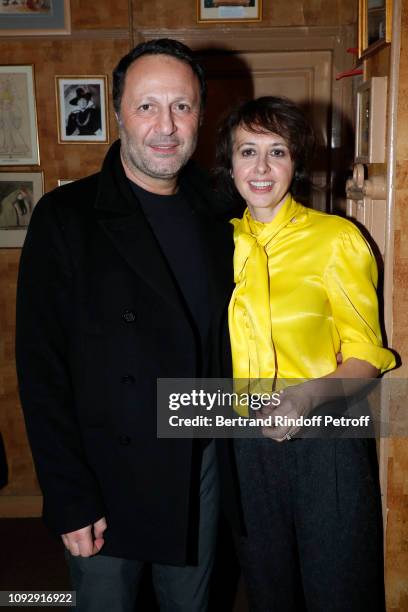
{"x":305,"y":293}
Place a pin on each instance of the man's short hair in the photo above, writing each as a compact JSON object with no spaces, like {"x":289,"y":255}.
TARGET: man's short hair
{"x":159,"y":46}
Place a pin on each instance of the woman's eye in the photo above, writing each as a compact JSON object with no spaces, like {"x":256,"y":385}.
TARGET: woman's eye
{"x":247,"y":152}
{"x":278,"y":152}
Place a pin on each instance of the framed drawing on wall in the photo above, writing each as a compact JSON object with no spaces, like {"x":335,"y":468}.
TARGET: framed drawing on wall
{"x":18,"y":117}
{"x":229,"y":11}
{"x":82,"y":109}
{"x":371,"y":118}
{"x":19,"y":193}
{"x":34,"y":17}
{"x":374,"y":25}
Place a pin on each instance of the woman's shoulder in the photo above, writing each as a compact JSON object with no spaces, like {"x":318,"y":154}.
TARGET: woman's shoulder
{"x":333,"y":225}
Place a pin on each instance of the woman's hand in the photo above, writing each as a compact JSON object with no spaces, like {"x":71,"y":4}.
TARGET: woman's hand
{"x":295,"y":402}
{"x":300,"y":400}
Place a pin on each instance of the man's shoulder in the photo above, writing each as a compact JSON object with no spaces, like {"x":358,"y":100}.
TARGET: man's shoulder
{"x":79,"y":195}
{"x":66,"y":206}
{"x":70,"y":192}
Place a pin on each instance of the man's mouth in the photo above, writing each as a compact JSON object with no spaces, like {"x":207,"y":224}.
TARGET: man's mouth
{"x":166,"y":149}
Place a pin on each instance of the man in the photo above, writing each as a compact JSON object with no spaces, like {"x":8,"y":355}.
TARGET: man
{"x":125,"y":277}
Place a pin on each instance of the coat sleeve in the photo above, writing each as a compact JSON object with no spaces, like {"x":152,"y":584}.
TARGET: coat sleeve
{"x":351,"y":280}
{"x":70,"y":490}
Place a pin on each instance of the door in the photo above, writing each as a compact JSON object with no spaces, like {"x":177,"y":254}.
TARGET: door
{"x":303,"y":76}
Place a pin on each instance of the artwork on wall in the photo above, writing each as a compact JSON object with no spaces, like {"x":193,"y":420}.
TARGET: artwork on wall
{"x":34,"y":17}
{"x":19,"y":193}
{"x":18,"y":117}
{"x":82,"y":109}
{"x":374,"y":21}
{"x":227,"y":11}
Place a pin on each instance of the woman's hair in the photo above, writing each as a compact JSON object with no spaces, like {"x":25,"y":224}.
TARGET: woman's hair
{"x":267,"y":114}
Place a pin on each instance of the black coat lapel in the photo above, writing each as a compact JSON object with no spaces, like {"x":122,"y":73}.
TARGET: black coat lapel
{"x":122,"y":219}
{"x":217,"y":239}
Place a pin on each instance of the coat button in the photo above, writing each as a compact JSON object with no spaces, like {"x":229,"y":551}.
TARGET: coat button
{"x":124,"y":440}
{"x":129,"y":316}
{"x":128,"y":379}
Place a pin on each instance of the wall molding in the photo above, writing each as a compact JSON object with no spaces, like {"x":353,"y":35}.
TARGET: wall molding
{"x":118,"y":34}
{"x":291,"y":38}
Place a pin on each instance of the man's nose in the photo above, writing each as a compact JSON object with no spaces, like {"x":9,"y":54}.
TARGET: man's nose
{"x":165,"y":122}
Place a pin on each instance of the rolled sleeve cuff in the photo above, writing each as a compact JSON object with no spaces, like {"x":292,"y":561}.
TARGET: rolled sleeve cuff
{"x":381,"y":358}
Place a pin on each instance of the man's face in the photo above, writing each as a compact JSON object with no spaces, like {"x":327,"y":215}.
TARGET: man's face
{"x":159,"y":120}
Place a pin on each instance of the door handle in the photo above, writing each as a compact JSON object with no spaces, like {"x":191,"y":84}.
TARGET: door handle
{"x":358,"y":187}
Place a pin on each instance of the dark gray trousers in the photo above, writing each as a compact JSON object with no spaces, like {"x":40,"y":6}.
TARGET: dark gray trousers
{"x":110,"y":584}
{"x":313,"y":515}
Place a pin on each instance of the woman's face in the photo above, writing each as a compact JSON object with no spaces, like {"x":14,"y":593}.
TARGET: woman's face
{"x":262,"y":170}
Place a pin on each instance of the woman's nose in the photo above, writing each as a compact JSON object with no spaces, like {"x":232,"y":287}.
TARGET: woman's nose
{"x":262,"y":165}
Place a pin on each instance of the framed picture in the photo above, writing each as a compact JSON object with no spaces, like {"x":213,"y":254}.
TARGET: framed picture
{"x":228,"y":11}
{"x":62,"y":182}
{"x":371,"y":119}
{"x":374,"y":25}
{"x":18,"y":117}
{"x":34,"y":17}
{"x":19,"y":193}
{"x":82,"y":109}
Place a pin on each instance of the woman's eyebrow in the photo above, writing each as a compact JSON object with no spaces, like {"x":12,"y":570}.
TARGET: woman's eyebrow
{"x":273,"y":144}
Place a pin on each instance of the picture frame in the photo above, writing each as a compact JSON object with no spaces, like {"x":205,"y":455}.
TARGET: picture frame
{"x":35,"y":18}
{"x":371,"y":121}
{"x":18,"y":117}
{"x":374,"y":25}
{"x":229,"y":11}
{"x":82,"y":109}
{"x":19,"y":193}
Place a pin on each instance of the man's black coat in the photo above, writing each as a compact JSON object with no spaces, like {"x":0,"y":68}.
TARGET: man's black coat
{"x":99,"y":319}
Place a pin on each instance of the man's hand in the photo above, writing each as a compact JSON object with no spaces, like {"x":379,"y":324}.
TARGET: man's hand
{"x":87,"y":541}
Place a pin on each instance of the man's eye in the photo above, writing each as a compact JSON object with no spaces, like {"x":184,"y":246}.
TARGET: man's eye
{"x":181,"y":106}
{"x":144,"y":107}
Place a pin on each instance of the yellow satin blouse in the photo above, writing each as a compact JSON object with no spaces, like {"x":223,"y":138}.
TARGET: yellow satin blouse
{"x":305,"y":290}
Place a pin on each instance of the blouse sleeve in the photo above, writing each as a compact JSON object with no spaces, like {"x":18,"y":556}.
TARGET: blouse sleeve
{"x":351,"y":278}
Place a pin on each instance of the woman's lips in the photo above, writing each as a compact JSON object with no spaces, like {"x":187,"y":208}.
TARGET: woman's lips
{"x":261,"y":186}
